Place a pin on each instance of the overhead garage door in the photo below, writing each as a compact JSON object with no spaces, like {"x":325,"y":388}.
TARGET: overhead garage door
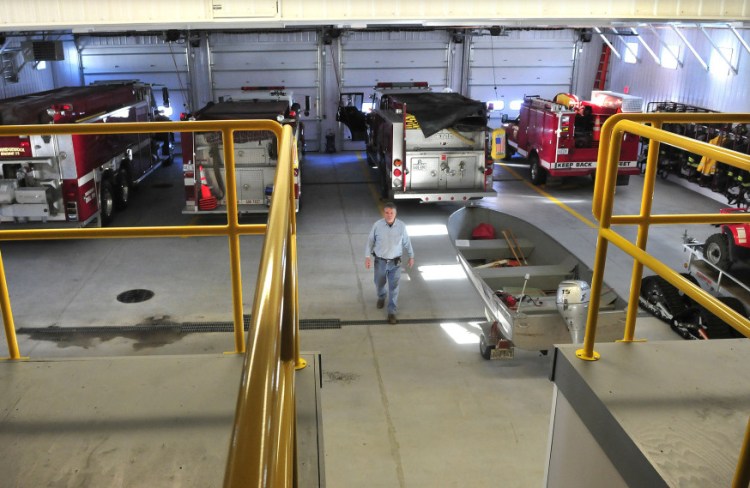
{"x":146,"y":58}
{"x":505,"y":68}
{"x":371,"y":57}
{"x":288,"y":59}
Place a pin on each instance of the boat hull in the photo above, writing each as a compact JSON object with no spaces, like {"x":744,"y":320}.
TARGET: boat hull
{"x":533,"y":323}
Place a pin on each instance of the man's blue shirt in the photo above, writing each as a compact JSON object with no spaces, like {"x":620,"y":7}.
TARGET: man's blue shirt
{"x":387,"y":241}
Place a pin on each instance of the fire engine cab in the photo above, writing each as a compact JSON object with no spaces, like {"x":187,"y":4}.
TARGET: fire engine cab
{"x":561,"y":137}
{"x":255,"y":152}
{"x":77,"y":179}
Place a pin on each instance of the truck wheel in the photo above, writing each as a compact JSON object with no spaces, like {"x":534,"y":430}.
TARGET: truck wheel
{"x":124,"y":185}
{"x":106,"y":202}
{"x":538,"y":174}
{"x":167,"y":150}
{"x":484,"y":349}
{"x":622,"y":180}
{"x":717,"y":251}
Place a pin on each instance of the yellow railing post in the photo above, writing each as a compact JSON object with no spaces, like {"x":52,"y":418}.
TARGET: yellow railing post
{"x":10,"y":327}
{"x":234,"y":240}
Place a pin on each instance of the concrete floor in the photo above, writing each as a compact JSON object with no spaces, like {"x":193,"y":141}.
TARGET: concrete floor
{"x":409,"y":405}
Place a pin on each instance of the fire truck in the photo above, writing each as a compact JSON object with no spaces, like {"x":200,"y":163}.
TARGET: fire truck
{"x":76,"y":179}
{"x":428,"y":146}
{"x":561,"y":137}
{"x":255,"y":152}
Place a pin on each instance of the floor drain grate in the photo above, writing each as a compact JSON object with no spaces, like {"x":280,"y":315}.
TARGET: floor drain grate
{"x":135,"y":296}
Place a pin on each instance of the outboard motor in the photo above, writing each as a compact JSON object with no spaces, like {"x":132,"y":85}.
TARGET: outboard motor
{"x":573,"y":305}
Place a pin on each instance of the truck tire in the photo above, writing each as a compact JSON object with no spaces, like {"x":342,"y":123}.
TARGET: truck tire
{"x":536,"y":171}
{"x":622,"y":180}
{"x":717,"y":251}
{"x":123,"y":187}
{"x":106,"y":202}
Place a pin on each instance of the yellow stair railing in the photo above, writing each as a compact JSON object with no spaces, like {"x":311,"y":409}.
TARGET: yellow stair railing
{"x":649,"y":126}
{"x":262,"y":451}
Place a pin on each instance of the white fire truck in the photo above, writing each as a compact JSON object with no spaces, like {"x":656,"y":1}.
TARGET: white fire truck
{"x":561,"y":137}
{"x":255,"y":153}
{"x":77,"y":179}
{"x":428,"y":146}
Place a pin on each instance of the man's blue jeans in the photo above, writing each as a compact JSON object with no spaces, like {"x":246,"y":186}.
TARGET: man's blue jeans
{"x":386,"y":272}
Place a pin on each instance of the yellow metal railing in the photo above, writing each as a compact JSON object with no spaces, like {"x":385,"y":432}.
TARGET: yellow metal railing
{"x":603,"y":202}
{"x":262,"y":451}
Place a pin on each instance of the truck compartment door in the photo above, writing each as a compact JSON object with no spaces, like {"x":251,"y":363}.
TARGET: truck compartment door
{"x":423,"y":172}
{"x":463,"y":172}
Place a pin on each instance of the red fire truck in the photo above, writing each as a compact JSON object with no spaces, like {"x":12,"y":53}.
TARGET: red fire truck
{"x":255,"y":152}
{"x":77,"y":179}
{"x":561,"y":137}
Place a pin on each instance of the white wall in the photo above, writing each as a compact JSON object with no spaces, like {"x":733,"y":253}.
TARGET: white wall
{"x":718,"y":89}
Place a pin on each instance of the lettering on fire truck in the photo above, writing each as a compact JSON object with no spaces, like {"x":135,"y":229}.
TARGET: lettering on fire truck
{"x":575,"y":165}
{"x":11,"y":151}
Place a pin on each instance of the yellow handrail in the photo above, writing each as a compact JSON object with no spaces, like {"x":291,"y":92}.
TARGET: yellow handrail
{"x":603,"y":202}
{"x":262,"y":451}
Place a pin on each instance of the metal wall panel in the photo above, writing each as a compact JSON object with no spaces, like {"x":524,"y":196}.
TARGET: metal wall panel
{"x":30,"y":79}
{"x":289,"y":59}
{"x":718,"y":89}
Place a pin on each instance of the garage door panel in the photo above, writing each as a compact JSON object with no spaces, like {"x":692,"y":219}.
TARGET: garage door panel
{"x":541,"y":75}
{"x":523,"y":57}
{"x":131,"y":62}
{"x":405,"y":59}
{"x":272,"y":59}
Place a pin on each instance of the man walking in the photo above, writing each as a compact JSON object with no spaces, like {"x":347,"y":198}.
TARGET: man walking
{"x":385,"y":244}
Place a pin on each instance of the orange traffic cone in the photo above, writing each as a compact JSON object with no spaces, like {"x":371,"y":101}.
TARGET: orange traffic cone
{"x":207,"y":200}
{"x":597,"y":127}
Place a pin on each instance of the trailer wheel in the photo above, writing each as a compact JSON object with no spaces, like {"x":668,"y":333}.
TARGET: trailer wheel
{"x":106,"y":202}
{"x":484,"y":349}
{"x":124,"y":185}
{"x":717,"y":251}
{"x":537,"y":172}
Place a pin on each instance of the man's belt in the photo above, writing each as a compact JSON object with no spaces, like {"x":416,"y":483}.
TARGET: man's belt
{"x":396,"y":260}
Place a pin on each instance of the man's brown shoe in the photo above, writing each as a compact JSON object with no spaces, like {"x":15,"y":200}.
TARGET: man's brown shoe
{"x":381,"y":302}
{"x":392,"y":318}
